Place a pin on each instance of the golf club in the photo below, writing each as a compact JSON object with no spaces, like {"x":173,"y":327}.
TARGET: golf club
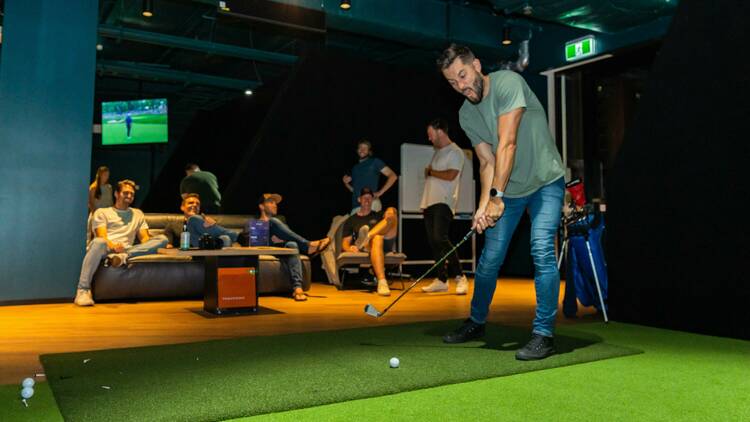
{"x":373,"y":312}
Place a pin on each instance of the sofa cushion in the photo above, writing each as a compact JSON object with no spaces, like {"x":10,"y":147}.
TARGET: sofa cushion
{"x":360,"y":258}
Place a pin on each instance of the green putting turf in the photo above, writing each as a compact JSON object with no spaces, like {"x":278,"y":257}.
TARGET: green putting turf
{"x":251,"y":376}
{"x":41,"y":407}
{"x":146,"y":128}
{"x":679,"y":377}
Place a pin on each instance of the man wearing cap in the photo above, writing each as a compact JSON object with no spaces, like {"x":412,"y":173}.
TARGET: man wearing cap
{"x":374,"y":232}
{"x":282,"y":235}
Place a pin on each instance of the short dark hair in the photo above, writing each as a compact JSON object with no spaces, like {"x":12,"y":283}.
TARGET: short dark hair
{"x":190,"y":166}
{"x":128,"y":182}
{"x":191,"y":195}
{"x":439,"y":124}
{"x":453,"y":52}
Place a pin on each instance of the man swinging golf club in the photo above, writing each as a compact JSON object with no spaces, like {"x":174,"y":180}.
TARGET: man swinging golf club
{"x":520,"y":169}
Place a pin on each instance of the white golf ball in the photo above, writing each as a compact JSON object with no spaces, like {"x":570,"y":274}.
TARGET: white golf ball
{"x":28,"y":382}
{"x":394,"y":362}
{"x":27,"y":392}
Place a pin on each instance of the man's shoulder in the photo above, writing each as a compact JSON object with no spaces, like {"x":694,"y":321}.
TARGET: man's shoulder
{"x":206,"y":175}
{"x":507,"y":79}
{"x":454,"y":146}
{"x":102,"y":212}
{"x":137,"y":213}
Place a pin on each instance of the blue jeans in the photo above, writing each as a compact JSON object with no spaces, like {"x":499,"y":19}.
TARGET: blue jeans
{"x":97,"y":250}
{"x":544,"y":208}
{"x":196,"y":229}
{"x":293,"y":264}
{"x":277,"y":228}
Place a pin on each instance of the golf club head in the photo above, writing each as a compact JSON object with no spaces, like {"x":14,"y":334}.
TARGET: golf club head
{"x":370,"y":310}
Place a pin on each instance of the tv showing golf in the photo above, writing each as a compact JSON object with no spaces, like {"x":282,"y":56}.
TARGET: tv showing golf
{"x":134,"y":122}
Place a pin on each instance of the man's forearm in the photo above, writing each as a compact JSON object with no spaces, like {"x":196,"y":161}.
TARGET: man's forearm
{"x":504,"y":159}
{"x":448,"y":175}
{"x":486,"y":174}
{"x":388,"y":183}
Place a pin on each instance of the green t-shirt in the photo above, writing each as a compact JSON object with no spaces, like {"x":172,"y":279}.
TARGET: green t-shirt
{"x":206,"y":185}
{"x":537,"y":162}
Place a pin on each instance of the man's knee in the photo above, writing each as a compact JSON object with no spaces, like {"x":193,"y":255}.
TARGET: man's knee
{"x":291,"y":245}
{"x":195,"y":222}
{"x":376,"y":243}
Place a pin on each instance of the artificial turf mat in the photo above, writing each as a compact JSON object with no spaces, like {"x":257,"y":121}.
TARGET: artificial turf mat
{"x":679,"y":377}
{"x":249,"y":376}
{"x":41,"y":406}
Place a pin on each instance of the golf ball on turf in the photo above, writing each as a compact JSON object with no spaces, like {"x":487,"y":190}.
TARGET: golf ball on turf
{"x":27,"y":392}
{"x":28,"y":382}
{"x":394,"y":362}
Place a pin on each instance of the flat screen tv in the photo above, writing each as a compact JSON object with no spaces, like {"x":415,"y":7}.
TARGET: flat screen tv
{"x":134,"y":122}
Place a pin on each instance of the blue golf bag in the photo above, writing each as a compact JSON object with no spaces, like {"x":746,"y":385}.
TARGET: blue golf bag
{"x":580,"y":277}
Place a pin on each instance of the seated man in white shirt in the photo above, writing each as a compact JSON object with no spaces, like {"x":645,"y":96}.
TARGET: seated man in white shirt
{"x":116,"y":228}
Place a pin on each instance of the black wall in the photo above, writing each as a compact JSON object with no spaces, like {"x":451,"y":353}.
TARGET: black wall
{"x":298,"y":137}
{"x":678,"y":243}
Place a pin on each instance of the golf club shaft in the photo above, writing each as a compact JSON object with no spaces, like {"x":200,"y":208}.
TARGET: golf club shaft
{"x":439,"y":262}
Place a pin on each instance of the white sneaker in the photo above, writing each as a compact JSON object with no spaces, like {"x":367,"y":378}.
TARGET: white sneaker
{"x":118,"y":259}
{"x":383,"y":289}
{"x":462,"y":285}
{"x":436,"y":286}
{"x":83,"y":298}
{"x":362,"y":238}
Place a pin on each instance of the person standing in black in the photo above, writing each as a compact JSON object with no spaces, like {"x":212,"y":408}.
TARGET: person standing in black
{"x":439,"y":200}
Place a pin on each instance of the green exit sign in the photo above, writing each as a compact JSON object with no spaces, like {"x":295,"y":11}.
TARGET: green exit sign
{"x":580,"y":48}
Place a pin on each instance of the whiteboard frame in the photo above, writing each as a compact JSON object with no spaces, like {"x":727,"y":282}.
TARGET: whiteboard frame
{"x":418,"y":215}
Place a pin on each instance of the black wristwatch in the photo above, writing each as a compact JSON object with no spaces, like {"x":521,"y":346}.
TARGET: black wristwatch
{"x":494,"y":193}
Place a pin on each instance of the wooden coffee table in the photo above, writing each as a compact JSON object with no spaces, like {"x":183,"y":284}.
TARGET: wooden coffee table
{"x":237,"y":270}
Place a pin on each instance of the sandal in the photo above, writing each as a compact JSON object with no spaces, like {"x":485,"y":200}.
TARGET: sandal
{"x":320,"y":246}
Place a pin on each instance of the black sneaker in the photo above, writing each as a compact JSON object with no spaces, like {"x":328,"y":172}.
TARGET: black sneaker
{"x":470,"y":330}
{"x":539,"y":347}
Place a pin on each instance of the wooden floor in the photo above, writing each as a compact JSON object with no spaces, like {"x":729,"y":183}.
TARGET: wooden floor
{"x":31,"y":330}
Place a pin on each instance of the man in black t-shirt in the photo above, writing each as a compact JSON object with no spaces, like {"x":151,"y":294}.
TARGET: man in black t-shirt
{"x":374,"y":232}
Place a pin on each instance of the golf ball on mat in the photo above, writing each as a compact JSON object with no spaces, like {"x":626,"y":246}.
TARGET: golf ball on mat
{"x":27,"y":392}
{"x":394,"y":362}
{"x":28,"y":382}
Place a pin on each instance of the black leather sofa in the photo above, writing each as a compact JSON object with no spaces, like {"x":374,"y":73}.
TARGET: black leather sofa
{"x":163,"y":276}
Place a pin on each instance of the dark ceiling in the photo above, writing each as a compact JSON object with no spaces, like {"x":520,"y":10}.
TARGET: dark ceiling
{"x":202,"y":55}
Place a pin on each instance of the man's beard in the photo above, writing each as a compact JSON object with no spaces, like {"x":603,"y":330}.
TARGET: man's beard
{"x":478,"y":88}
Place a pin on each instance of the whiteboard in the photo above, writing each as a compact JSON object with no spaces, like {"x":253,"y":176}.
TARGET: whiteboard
{"x":414,"y":159}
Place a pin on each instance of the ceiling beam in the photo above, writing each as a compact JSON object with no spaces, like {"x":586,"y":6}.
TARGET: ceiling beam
{"x":144,"y":71}
{"x":156,"y":38}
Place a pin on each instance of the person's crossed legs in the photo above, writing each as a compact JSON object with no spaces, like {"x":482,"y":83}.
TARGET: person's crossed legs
{"x":379,"y":238}
{"x":97,"y":251}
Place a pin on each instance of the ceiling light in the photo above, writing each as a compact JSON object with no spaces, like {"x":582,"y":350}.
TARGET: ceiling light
{"x":223,"y":6}
{"x":248,"y":92}
{"x":527,"y":10}
{"x":506,"y":36}
{"x":148,"y":8}
{"x":346,"y":4}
